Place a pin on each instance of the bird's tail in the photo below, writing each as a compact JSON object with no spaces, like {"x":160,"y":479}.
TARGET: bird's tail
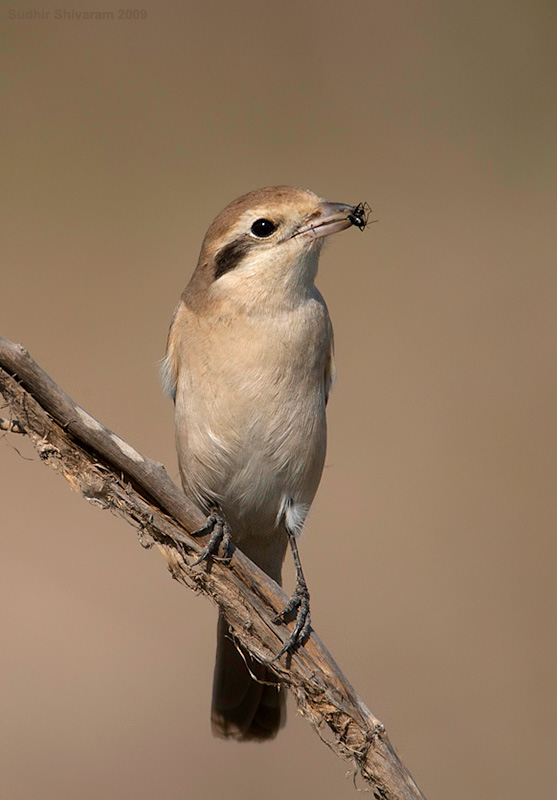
{"x":247,"y":702}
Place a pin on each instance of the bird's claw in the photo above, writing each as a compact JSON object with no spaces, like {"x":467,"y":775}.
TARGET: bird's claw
{"x":217,"y":526}
{"x":299,"y":602}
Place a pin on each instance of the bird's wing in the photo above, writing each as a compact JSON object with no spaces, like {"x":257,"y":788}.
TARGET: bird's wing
{"x":170,"y":363}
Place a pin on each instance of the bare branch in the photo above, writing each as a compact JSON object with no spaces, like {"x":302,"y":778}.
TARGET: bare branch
{"x":112,"y":474}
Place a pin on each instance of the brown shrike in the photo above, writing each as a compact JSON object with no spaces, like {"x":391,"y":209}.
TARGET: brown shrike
{"x":249,"y":364}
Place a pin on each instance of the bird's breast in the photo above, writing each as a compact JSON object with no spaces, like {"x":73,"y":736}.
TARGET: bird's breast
{"x":250,"y":408}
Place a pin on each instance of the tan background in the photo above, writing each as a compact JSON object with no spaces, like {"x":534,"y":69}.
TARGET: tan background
{"x":430,"y":552}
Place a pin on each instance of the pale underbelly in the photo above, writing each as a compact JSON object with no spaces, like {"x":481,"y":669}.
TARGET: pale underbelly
{"x":252,"y":455}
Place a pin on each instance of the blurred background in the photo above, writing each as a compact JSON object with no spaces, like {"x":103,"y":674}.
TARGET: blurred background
{"x":430,"y":551}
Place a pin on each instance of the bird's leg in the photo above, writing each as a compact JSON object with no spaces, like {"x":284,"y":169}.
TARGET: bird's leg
{"x":217,"y":526}
{"x":299,"y":602}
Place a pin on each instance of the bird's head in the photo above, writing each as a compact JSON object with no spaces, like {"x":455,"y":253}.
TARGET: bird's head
{"x":266,"y":244}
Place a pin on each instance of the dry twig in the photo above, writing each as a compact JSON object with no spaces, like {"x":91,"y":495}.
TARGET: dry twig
{"x":112,"y":474}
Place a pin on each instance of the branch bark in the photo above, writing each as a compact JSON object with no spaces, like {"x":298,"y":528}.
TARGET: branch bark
{"x":111,"y":474}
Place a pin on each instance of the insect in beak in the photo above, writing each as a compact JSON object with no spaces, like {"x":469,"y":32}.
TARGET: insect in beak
{"x":360,"y":215}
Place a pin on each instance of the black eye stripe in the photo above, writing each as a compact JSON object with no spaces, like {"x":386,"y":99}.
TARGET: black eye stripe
{"x":230,"y":256}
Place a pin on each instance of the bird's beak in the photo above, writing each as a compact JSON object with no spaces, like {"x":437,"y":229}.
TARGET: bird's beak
{"x":332,"y":218}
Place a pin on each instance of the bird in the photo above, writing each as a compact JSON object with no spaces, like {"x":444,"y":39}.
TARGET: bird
{"x":249,"y":364}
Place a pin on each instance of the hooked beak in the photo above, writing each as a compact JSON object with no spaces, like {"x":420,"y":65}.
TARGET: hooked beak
{"x":332,"y":218}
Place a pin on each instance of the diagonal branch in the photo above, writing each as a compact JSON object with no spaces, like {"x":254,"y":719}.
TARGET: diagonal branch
{"x":112,"y":474}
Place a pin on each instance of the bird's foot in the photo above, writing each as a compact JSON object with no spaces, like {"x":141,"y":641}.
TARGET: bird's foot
{"x":299,"y":602}
{"x":217,"y":526}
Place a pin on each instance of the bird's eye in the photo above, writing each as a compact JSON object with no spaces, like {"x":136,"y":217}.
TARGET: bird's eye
{"x":263,"y":228}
